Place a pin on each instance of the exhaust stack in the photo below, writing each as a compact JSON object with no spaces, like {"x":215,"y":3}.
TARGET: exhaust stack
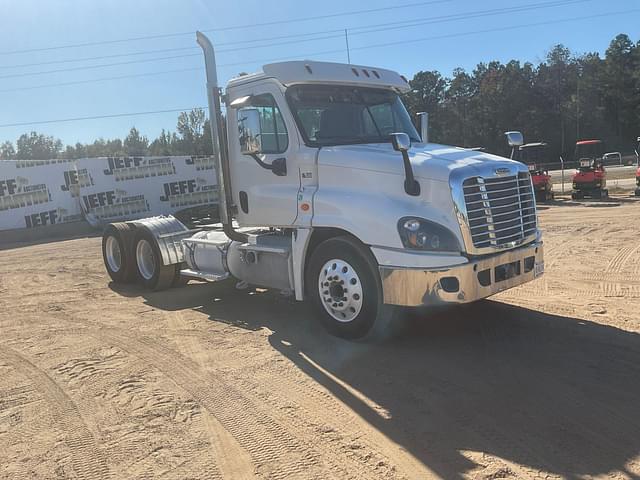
{"x":220,"y":151}
{"x":424,"y":126}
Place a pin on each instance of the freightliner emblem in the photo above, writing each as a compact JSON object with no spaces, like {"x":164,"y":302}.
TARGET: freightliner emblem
{"x":502,"y":171}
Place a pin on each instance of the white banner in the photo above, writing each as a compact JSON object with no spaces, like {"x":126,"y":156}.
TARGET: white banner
{"x":138,"y":187}
{"x":101,"y":190}
{"x":36,"y":193}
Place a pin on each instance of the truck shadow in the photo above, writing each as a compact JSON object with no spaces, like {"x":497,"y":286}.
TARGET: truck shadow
{"x":544,"y":391}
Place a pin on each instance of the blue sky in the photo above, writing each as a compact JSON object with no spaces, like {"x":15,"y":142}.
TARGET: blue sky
{"x":440,"y":45}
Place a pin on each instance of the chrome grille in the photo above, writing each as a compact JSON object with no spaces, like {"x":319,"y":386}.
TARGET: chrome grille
{"x":501,"y":211}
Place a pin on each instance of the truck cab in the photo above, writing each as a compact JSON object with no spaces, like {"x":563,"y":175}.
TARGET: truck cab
{"x":328,"y":192}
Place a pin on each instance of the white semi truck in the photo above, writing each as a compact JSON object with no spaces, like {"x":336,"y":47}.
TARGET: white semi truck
{"x":328,"y":192}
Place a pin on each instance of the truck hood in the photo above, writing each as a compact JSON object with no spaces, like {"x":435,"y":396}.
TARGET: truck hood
{"x":429,"y":161}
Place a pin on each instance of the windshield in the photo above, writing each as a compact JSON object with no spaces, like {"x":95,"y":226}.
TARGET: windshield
{"x":340,"y":115}
{"x":533,"y":154}
{"x":589,"y":150}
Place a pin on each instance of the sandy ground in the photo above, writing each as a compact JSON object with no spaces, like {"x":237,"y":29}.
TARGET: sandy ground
{"x":99,"y":381}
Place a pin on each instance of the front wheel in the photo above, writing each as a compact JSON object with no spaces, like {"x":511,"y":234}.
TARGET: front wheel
{"x":343,"y":282}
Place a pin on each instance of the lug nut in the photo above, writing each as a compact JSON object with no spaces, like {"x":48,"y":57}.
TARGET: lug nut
{"x":356,"y":296}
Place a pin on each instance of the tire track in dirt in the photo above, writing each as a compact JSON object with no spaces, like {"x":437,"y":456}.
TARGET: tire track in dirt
{"x":616,"y":265}
{"x":619,"y":261}
{"x":234,"y":462}
{"x":276,"y":453}
{"x":102,"y":373}
{"x":310,"y":409}
{"x":323,"y":415}
{"x":614,"y":281}
{"x":87,"y":460}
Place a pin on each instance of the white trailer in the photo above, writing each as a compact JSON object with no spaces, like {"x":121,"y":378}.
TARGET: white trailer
{"x":328,"y":192}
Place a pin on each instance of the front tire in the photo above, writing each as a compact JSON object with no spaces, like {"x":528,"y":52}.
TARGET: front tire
{"x":152,"y":274}
{"x":343,"y":282}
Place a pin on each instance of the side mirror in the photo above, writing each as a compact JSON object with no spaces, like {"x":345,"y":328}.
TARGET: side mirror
{"x":514,"y":139}
{"x":401,"y":142}
{"x":249,"y":131}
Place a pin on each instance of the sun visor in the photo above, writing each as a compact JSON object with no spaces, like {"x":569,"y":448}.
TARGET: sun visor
{"x":290,"y":73}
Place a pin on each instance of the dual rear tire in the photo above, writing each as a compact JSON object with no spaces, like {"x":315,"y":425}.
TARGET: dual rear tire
{"x":131,"y":254}
{"x":117,"y":252}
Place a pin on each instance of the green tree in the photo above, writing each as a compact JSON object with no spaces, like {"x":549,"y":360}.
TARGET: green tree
{"x":135,"y":143}
{"x":427,"y":94}
{"x":621,"y":88}
{"x":192,"y":127}
{"x":36,"y":146}
{"x":7,"y":151}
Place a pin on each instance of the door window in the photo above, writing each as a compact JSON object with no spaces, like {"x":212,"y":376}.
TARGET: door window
{"x":274,"y":131}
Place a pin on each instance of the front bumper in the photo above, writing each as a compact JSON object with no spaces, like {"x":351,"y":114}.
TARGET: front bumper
{"x":480,"y":278}
{"x":587,"y":185}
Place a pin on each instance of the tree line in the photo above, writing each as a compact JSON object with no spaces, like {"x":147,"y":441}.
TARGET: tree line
{"x":566,"y":97}
{"x":192,"y":137}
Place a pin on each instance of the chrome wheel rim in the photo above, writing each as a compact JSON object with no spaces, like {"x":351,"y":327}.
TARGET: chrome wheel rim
{"x":113,"y":254}
{"x":340,"y":290}
{"x":145,"y":259}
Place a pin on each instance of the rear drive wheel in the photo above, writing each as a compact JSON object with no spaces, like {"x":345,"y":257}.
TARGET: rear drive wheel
{"x":345,"y":288}
{"x":117,"y":252}
{"x":152,"y":274}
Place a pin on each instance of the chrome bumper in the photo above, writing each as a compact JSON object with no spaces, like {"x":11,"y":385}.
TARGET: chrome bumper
{"x":480,"y":278}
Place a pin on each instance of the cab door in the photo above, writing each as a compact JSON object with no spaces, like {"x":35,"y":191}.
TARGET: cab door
{"x":263,"y":196}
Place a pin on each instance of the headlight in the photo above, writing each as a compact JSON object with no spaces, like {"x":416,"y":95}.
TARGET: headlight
{"x":421,"y":234}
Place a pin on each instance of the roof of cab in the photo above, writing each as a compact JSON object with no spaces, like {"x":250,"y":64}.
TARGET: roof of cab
{"x":306,"y":71}
{"x":531,"y":145}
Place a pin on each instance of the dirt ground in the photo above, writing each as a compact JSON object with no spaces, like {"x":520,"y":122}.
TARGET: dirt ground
{"x":100,"y":381}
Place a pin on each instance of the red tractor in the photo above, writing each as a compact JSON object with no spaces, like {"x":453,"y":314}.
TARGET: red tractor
{"x":535,"y":155}
{"x":590,"y":179}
